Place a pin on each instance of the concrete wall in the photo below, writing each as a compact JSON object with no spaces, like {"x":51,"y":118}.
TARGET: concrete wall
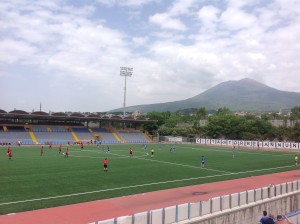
{"x":243,"y":207}
{"x":252,"y":213}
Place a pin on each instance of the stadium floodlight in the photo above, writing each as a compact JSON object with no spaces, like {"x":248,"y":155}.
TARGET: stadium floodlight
{"x":126,"y":72}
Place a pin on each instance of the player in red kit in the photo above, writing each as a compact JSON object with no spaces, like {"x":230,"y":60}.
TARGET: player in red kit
{"x":130,"y":152}
{"x":67,"y":153}
{"x":8,"y":149}
{"x":59,"y":149}
{"x":42,"y":150}
{"x":105,"y":164}
{"x":9,"y":154}
{"x":81,"y":145}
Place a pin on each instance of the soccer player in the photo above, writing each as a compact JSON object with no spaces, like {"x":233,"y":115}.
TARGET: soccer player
{"x":8,"y":149}
{"x":50,"y":146}
{"x":152,"y":152}
{"x":202,"y":161}
{"x":59,"y":149}
{"x":233,"y":152}
{"x":42,"y":150}
{"x":81,"y":145}
{"x":130,"y":152}
{"x":105,"y":164}
{"x":296,"y":160}
{"x":9,"y":154}
{"x":67,"y":153}
{"x":108,"y":149}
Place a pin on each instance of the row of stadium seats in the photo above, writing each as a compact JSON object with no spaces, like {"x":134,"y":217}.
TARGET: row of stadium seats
{"x":107,"y":136}
{"x":53,"y":136}
{"x":134,"y":137}
{"x":61,"y":136}
{"x":49,"y":129}
{"x":83,"y":133}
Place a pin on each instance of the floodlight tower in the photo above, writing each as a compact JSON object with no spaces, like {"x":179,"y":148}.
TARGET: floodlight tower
{"x":126,"y":72}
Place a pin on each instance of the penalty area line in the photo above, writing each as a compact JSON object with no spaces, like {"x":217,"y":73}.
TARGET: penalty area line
{"x":134,"y":186}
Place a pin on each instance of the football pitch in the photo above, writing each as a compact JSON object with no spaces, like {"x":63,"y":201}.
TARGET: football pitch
{"x":30,"y":181}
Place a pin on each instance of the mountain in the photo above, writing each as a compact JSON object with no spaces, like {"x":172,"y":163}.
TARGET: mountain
{"x":243,"y":95}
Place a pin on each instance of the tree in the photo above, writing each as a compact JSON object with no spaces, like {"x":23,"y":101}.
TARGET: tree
{"x":223,"y":111}
{"x":152,"y":127}
{"x":201,"y":113}
{"x":172,"y":121}
{"x":224,"y":124}
{"x":295,"y":133}
{"x":262,"y":128}
{"x":295,"y":113}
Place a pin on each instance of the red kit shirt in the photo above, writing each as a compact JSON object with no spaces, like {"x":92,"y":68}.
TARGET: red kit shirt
{"x":105,"y":162}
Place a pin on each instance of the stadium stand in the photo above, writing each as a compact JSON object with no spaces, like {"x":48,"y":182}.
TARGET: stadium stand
{"x":83,"y":134}
{"x":39,"y":129}
{"x":106,"y":136}
{"x":14,"y":134}
{"x":134,"y":136}
{"x":63,"y":135}
{"x":57,"y":129}
{"x":46,"y":135}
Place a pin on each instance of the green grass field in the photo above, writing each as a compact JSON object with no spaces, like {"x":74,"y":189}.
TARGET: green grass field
{"x":30,"y":181}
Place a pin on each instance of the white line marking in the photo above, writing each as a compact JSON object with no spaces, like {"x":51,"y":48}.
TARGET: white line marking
{"x":105,"y":154}
{"x":138,"y":185}
{"x":178,"y":164}
{"x":243,"y":151}
{"x":136,"y":157}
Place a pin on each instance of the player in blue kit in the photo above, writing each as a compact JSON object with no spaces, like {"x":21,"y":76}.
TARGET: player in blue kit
{"x":202,"y":161}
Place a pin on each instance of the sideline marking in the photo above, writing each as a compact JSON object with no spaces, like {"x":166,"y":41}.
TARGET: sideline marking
{"x":138,"y":185}
{"x":243,"y":151}
{"x":103,"y":154}
{"x":178,"y":164}
{"x":137,"y":157}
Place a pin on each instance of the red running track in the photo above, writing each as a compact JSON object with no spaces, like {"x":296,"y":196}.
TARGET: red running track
{"x":84,"y":213}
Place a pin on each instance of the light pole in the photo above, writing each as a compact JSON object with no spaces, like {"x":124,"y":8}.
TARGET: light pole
{"x":125,"y":71}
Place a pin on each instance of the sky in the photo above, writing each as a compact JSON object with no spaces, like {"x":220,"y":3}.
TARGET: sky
{"x":65,"y":55}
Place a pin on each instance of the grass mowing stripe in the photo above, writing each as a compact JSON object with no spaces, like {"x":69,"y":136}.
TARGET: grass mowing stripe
{"x":31,"y":176}
{"x":138,"y":185}
{"x":178,"y":164}
{"x":244,"y":151}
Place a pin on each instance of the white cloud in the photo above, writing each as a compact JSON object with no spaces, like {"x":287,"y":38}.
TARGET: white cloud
{"x":165,"y":21}
{"x":140,"y":41}
{"x":181,"y":49}
{"x":181,"y":7}
{"x":235,"y":19}
{"x":208,"y":15}
{"x":241,"y":4}
{"x":127,"y":3}
{"x":13,"y":51}
{"x":171,"y":18}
